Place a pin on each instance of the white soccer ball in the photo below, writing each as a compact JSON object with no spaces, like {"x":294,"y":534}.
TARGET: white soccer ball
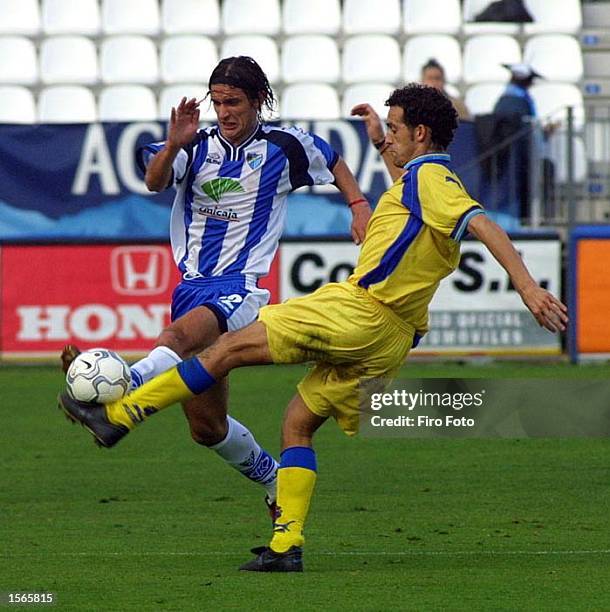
{"x":98,"y":375}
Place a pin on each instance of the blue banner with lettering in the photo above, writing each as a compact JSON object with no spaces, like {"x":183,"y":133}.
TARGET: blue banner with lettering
{"x":81,"y":181}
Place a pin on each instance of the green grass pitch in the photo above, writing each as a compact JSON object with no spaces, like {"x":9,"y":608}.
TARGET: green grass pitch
{"x":160,"y":524}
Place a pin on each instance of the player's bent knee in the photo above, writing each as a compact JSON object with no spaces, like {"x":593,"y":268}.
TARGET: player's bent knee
{"x":210,"y":433}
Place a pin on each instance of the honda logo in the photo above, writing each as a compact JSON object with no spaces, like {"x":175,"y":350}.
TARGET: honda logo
{"x":139,"y":270}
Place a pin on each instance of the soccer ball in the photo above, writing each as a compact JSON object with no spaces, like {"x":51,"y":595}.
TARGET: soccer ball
{"x":98,"y":375}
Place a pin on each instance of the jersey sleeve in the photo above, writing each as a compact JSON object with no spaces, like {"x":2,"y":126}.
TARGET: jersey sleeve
{"x":311,"y":159}
{"x":438,"y":197}
{"x":179,"y":166}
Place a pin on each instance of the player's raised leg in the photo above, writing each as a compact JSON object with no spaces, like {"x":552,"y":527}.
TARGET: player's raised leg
{"x":179,"y":384}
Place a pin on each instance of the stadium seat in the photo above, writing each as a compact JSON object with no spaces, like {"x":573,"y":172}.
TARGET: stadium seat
{"x":480,"y":99}
{"x":187,"y":59}
{"x":366,"y":17}
{"x":127,"y":103}
{"x":66,"y":104}
{"x":261,"y":48}
{"x":552,"y":100}
{"x":310,"y":101}
{"x":129,"y":59}
{"x":311,"y":17}
{"x":130,"y":17}
{"x":69,"y":17}
{"x":442,"y":47}
{"x":248,"y":17}
{"x":190,"y":17}
{"x":553,"y":17}
{"x":21,"y":17}
{"x":16,"y":105}
{"x":68,"y":59}
{"x":371,"y":57}
{"x":374,"y":94}
{"x":172,"y":94}
{"x":557,"y":57}
{"x":426,"y":17}
{"x":18,"y":60}
{"x":472,"y":8}
{"x":310,"y":58}
{"x":484,"y":55}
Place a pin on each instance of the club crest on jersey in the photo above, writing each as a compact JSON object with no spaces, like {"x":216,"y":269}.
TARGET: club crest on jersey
{"x":254,"y":160}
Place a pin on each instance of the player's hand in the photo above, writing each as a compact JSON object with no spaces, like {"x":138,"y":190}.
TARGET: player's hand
{"x":183,"y":122}
{"x":546,"y":308}
{"x":372,"y":122}
{"x":361,"y":213}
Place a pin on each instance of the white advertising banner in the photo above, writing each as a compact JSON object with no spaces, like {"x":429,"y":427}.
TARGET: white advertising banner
{"x":475,"y":310}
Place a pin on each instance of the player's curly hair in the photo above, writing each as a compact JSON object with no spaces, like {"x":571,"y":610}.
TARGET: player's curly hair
{"x":245,"y":74}
{"x":427,"y":106}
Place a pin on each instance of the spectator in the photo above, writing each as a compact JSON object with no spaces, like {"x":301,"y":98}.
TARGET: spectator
{"x":433,"y":75}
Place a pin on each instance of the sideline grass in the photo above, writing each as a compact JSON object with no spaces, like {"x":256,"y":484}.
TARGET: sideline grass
{"x":161,"y":524}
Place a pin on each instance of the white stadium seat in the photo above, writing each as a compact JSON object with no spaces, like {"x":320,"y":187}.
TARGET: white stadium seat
{"x":472,"y":8}
{"x":310,"y":58}
{"x":374,"y":94}
{"x":190,"y":17}
{"x":17,"y":105}
{"x":261,"y":48}
{"x":552,"y":100}
{"x":70,"y":17}
{"x":311,"y":17}
{"x":19,"y":17}
{"x":66,"y":104}
{"x":442,"y":47}
{"x":130,"y":17}
{"x":484,"y":55}
{"x":251,"y":17}
{"x":187,"y":59}
{"x":18,"y":63}
{"x":310,"y":101}
{"x":481,"y":98}
{"x":558,"y":16}
{"x":68,"y":59}
{"x":366,"y":17}
{"x":557,"y":57}
{"x":371,"y":57}
{"x":129,"y":59}
{"x":127,"y":103}
{"x":172,"y":94}
{"x":431,"y":16}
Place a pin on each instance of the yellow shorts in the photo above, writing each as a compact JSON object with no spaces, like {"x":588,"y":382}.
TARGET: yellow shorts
{"x":350,"y":336}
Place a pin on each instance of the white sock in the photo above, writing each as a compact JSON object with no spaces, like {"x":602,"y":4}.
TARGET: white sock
{"x":156,"y":362}
{"x":240,"y":450}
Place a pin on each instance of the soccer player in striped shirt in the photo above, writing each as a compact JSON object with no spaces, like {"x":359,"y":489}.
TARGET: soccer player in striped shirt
{"x":231,"y":181}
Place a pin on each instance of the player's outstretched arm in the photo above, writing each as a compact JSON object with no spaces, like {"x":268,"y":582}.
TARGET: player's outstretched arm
{"x":374,"y":129}
{"x":183,"y":125}
{"x":361,"y":210}
{"x":546,"y":308}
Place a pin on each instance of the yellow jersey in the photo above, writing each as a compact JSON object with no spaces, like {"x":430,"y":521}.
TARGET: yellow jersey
{"x":413,"y":238}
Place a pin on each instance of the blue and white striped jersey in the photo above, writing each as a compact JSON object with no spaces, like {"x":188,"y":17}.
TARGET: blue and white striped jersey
{"x":230,"y":204}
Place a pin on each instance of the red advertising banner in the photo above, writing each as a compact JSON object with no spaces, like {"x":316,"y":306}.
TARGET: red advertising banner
{"x":116,"y":296}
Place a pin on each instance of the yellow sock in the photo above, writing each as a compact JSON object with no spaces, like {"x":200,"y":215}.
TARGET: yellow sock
{"x":158,"y":393}
{"x":295,"y":484}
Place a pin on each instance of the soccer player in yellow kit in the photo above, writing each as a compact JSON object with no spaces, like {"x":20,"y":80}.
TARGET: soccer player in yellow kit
{"x":358,"y":329}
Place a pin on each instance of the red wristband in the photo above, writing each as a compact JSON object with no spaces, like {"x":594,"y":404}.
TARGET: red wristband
{"x":352,"y":203}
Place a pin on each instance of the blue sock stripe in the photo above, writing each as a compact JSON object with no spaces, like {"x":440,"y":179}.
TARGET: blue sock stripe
{"x":299,"y":456}
{"x":136,"y":379}
{"x":263,"y":470}
{"x":195,"y":376}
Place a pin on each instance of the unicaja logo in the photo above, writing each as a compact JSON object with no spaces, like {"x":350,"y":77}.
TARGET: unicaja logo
{"x":140,"y":270}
